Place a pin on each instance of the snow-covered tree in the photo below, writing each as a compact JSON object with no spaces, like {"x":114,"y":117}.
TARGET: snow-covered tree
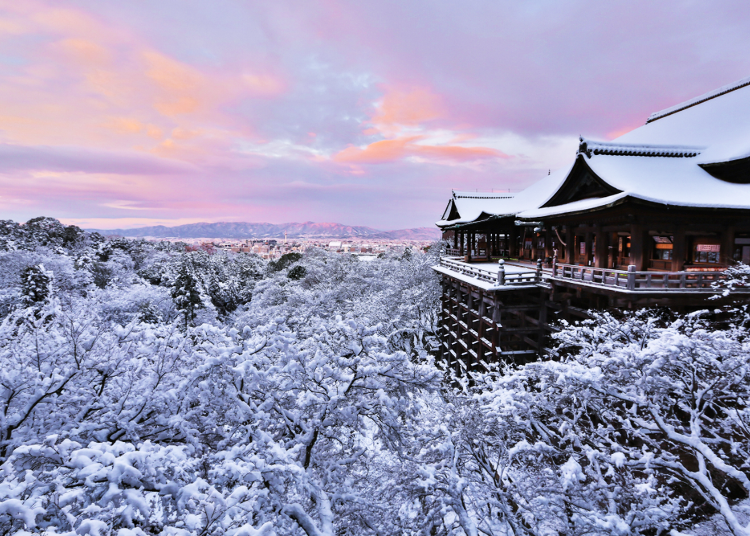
{"x":148,"y":388}
{"x":186,"y":292}
{"x":36,"y":283}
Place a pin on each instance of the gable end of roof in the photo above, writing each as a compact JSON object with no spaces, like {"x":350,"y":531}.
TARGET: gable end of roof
{"x":581,"y":183}
{"x":450,"y":212}
{"x":735,"y":171}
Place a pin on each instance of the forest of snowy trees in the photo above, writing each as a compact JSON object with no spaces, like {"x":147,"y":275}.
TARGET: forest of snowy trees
{"x":154,"y":388}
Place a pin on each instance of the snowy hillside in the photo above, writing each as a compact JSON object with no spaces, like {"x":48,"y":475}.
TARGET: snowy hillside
{"x":146,"y":389}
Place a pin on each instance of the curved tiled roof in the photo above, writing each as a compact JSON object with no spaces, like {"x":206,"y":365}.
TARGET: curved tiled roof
{"x":591,"y":148}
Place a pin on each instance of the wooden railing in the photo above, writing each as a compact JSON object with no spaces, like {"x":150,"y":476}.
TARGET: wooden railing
{"x":624,"y":280}
{"x":476,"y":252}
{"x":634,"y":280}
{"x":497,"y":277}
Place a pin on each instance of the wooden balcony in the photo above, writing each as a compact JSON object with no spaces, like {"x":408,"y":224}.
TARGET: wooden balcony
{"x":493,"y":276}
{"x":490,"y":275}
{"x":633,"y":281}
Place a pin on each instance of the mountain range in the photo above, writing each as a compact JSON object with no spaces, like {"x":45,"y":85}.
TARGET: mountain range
{"x":242,"y":230}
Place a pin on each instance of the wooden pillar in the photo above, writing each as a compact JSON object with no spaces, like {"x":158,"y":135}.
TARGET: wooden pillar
{"x":496,"y":324}
{"x":512,"y":242}
{"x":469,"y":245}
{"x":461,"y":242}
{"x":547,"y":242}
{"x":455,"y":239}
{"x":638,"y":247}
{"x":570,"y":247}
{"x":602,"y":253}
{"x":589,"y":249}
{"x":679,"y":249}
{"x":727,"y":246}
{"x":481,"y":312}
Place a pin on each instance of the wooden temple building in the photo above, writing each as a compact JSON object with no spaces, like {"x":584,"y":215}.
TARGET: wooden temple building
{"x":651,"y":218}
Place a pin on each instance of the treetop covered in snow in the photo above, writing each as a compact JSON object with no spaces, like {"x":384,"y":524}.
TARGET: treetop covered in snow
{"x":146,"y":389}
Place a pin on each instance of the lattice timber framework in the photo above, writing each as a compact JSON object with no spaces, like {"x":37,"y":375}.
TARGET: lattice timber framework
{"x":479,"y":327}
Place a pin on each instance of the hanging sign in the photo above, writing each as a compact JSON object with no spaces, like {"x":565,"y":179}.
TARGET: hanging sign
{"x":583,"y":248}
{"x":711,"y":248}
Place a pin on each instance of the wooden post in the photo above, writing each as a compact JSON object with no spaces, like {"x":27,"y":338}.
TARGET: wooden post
{"x":602,"y":253}
{"x":461,"y":243}
{"x":547,"y":243}
{"x":480,"y":326}
{"x":512,"y":242}
{"x":570,"y":247}
{"x":455,"y":239}
{"x":501,"y":272}
{"x":469,"y":245}
{"x":554,"y":264}
{"x":637,"y":248}
{"x":631,"y":277}
{"x":589,"y":249}
{"x":727,"y":246}
{"x":538,"y":271}
{"x":679,"y":249}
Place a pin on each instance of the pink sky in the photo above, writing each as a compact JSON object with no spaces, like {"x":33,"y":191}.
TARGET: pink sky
{"x":128,"y":113}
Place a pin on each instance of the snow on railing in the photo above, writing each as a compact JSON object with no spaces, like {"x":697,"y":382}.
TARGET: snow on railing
{"x":635,"y":280}
{"x":620,"y":280}
{"x":501,"y":277}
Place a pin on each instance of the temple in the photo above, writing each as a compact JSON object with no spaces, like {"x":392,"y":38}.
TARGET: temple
{"x":651,"y":218}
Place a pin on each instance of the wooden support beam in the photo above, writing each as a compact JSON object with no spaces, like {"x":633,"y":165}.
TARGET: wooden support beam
{"x":638,"y":247}
{"x":601,"y":252}
{"x":727,"y":246}
{"x":570,"y":246}
{"x":679,"y":249}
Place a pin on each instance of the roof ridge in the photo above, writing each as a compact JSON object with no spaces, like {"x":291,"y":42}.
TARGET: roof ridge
{"x":482,"y":195}
{"x":593,"y":147}
{"x":723,"y":90}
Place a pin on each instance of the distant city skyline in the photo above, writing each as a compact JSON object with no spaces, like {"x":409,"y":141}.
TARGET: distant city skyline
{"x":128,"y":114}
{"x":262,"y":230}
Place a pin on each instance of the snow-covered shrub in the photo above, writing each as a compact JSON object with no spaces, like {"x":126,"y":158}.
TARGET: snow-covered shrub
{"x":639,"y":425}
{"x":736,"y":276}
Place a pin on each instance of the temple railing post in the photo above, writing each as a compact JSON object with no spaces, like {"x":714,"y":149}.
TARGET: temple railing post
{"x":538,"y":270}
{"x":631,"y":277}
{"x":501,"y":272}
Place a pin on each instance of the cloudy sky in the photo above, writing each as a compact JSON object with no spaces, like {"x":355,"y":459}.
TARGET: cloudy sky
{"x":127,"y":113}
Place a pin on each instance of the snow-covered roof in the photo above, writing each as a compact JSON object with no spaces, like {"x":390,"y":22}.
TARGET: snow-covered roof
{"x":722,"y":119}
{"x":698,"y":100}
{"x":658,"y":162}
{"x":471,"y":205}
{"x":592,"y":147}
